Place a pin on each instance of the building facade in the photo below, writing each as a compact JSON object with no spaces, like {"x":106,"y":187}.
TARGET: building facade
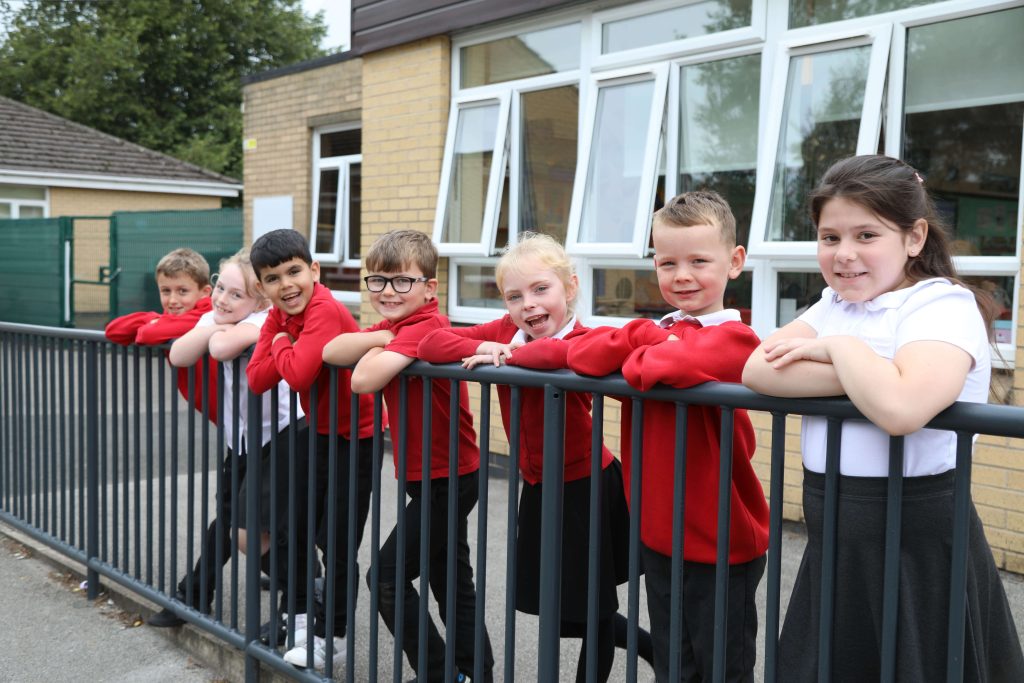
{"x":481,"y":120}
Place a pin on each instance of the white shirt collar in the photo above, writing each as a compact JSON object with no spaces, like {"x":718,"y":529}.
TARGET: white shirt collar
{"x":520,"y":337}
{"x":717,"y":318}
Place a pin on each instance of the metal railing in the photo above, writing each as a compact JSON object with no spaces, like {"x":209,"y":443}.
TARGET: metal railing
{"x":91,"y":432}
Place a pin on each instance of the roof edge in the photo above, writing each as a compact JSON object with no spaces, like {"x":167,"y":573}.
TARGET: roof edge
{"x":120,"y":183}
{"x":299,"y":67}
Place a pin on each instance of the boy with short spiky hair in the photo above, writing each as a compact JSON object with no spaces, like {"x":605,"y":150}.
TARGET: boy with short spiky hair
{"x":304,"y":318}
{"x":695,"y":256}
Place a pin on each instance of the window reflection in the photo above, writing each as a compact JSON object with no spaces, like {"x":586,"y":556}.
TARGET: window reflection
{"x":341,"y":143}
{"x":820,"y":124}
{"x":340,"y":278}
{"x":355,"y":198}
{"x":478,"y":288}
{"x":327,"y":211}
{"x":471,"y":173}
{"x":634,"y":293}
{"x":548,"y":159}
{"x":797,"y":293}
{"x":677,"y":23}
{"x":535,"y":53}
{"x":808,"y":12}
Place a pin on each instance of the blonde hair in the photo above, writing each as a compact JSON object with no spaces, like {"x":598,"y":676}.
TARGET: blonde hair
{"x":241,"y":259}
{"x":700,"y":207}
{"x":545,"y":250}
{"x":186,"y":261}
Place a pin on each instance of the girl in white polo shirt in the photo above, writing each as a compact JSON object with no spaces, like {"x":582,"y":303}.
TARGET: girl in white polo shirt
{"x":897,"y":333}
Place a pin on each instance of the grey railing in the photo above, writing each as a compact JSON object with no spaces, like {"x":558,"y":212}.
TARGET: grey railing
{"x":87,"y":426}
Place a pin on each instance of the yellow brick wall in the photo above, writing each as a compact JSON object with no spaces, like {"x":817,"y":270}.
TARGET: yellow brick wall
{"x":92,"y":238}
{"x":280,"y":115}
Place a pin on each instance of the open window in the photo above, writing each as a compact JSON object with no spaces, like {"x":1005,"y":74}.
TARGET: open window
{"x":337,"y":189}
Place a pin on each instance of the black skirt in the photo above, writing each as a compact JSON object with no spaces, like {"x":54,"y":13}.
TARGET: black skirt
{"x":992,"y":648}
{"x":613,"y":553}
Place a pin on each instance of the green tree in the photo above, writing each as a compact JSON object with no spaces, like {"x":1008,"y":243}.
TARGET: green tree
{"x":165,"y":74}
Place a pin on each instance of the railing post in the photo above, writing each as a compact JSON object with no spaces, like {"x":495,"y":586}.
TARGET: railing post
{"x":92,"y":539}
{"x":252,"y":551}
{"x":551,"y":533}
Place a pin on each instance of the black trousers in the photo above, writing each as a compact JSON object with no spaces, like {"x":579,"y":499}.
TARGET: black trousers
{"x":364,"y":483}
{"x":698,"y":633}
{"x":465,"y":598}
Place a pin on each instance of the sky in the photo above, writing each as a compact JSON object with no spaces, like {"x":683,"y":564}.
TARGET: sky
{"x":336,"y":16}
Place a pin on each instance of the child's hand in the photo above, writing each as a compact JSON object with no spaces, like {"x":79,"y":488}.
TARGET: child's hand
{"x":785,"y":351}
{"x":489,"y":352}
{"x":282,"y":334}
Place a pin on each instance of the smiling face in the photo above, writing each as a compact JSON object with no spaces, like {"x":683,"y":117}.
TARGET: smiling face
{"x":394,"y":306}
{"x":862,"y":255}
{"x":694,"y":265}
{"x":289,"y":284}
{"x":537,"y":299}
{"x":179,"y":293}
{"x":231,"y":300}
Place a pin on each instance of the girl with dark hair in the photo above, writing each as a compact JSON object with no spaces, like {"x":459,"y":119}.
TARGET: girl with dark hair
{"x":897,"y":333}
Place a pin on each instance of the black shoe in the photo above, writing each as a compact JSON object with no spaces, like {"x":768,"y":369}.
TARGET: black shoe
{"x":165,"y":618}
{"x":279,"y":637}
{"x":264,"y":582}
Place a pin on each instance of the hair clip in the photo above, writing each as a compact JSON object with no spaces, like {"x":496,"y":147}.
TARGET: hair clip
{"x":919,"y":178}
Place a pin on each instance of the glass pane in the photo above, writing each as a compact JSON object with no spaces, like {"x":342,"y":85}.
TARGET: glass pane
{"x":30,"y":212}
{"x":808,"y":12}
{"x":471,"y":174}
{"x":341,"y":143}
{"x":549,"y":135}
{"x":616,"y":162}
{"x":797,"y":292}
{"x":820,"y":123}
{"x":355,"y":197}
{"x":5,"y":210}
{"x":326,"y":211}
{"x":963,"y":125}
{"x":1001,"y":289}
{"x":340,"y":279}
{"x":634,"y":293}
{"x":536,"y":53}
{"x":478,"y":288}
{"x":22,"y":192}
{"x":678,"y":23}
{"x":718,"y":109}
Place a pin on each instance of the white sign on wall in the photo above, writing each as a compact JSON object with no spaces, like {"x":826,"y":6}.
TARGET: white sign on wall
{"x":271,"y":213}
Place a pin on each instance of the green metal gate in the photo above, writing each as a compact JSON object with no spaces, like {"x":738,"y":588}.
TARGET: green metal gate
{"x":34,"y":267}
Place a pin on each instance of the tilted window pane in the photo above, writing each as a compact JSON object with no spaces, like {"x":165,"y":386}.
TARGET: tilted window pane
{"x":341,"y":143}
{"x":478,"y":288}
{"x":535,"y":53}
{"x":340,"y":278}
{"x":616,"y":162}
{"x":718,"y":108}
{"x":470,"y":175}
{"x":797,"y":293}
{"x":634,"y":293}
{"x":808,"y":12}
{"x":549,"y":135}
{"x":326,"y":211}
{"x":355,"y":198}
{"x":820,"y":124}
{"x":677,"y":23}
{"x":964,"y":109}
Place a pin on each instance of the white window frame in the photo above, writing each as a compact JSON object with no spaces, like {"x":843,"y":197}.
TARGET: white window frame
{"x":17,"y":204}
{"x":342,"y":223}
{"x":657,"y":73}
{"x":469,"y":314}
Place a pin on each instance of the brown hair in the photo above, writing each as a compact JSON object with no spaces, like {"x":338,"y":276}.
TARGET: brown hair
{"x":894,"y":190}
{"x":186,"y":261}
{"x":397,"y":249}
{"x":700,"y":207}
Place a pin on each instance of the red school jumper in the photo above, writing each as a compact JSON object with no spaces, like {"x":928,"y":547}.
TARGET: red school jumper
{"x":408,"y":333}
{"x":149,"y":328}
{"x":713,"y":353}
{"x":300,"y":362}
{"x":455,"y":343}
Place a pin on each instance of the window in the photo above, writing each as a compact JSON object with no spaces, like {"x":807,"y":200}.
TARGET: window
{"x":21,"y":201}
{"x":676,"y":22}
{"x":335,"y":225}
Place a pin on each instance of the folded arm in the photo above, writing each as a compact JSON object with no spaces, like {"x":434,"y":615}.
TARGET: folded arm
{"x":231,"y":341}
{"x":193,"y":345}
{"x":348,"y":348}
{"x":376,"y":368}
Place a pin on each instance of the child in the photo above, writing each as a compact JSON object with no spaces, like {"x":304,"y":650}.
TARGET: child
{"x":402,"y":285}
{"x":183,"y":278}
{"x":239,"y":311}
{"x":695,"y":255}
{"x":304,"y":318}
{"x":539,"y":287}
{"x":882,"y":335}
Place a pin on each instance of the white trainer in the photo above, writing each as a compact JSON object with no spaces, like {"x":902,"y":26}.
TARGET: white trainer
{"x":297,"y":655}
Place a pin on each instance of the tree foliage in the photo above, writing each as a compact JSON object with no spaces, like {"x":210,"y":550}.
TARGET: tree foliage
{"x":165,"y":74}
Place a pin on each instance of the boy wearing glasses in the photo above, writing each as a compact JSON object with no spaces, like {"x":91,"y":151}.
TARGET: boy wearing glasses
{"x":304,"y":318}
{"x":403,"y":290}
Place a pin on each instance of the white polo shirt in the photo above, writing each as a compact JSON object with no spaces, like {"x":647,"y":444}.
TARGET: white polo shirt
{"x":256,"y":319}
{"x":932,"y":309}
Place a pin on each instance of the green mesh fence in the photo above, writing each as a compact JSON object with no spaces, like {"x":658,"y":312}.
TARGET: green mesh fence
{"x":139,"y":239}
{"x":32,"y":270}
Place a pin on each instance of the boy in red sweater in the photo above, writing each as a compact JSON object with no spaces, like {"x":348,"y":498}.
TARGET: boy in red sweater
{"x":403,"y":290}
{"x":695,"y":255}
{"x":304,"y":318}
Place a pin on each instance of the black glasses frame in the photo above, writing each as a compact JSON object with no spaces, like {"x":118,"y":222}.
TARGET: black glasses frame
{"x":402,"y":284}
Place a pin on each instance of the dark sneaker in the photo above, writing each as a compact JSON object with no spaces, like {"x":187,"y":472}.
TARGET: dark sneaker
{"x":165,"y":618}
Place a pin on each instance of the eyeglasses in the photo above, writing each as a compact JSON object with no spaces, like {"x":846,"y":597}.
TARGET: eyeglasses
{"x":400,"y":283}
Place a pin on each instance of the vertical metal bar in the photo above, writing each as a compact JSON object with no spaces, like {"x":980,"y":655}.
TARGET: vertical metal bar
{"x":237,"y":452}
{"x":332,"y":524}
{"x":425,"y":484}
{"x":6,"y":382}
{"x":104,"y":452}
{"x":515,"y":420}
{"x":891,"y":585}
{"x":175,"y":407}
{"x":678,"y":540}
{"x":311,"y":522}
{"x":958,"y":570}
{"x":479,"y":625}
{"x":54,"y":457}
{"x":82,"y":448}
{"x":593,"y":553}
{"x":353,"y":535}
{"x":401,"y":455}
{"x":115,"y":450}
{"x":275,"y":428}
{"x":637,"y":444}
{"x":190,"y":509}
{"x":722,"y":560}
{"x":252,"y":511}
{"x":378,"y":449}
{"x":162,"y":501}
{"x":772,"y":597}
{"x":551,"y":534}
{"x":833,"y":440}
{"x":125,"y":455}
{"x":92,"y":540}
{"x":149,"y":465}
{"x":451,"y":631}
{"x":293,"y":514}
{"x":37,"y":434}
{"x":66,"y":383}
{"x":204,"y":439}
{"x":136,"y":425}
